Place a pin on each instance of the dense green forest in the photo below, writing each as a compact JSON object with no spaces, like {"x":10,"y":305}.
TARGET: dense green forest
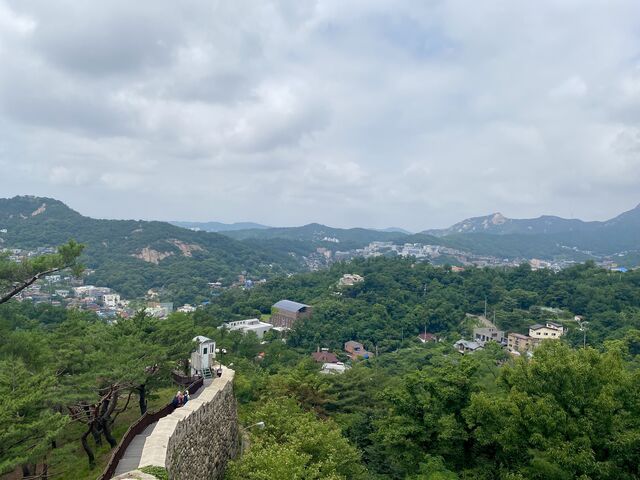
{"x":413,"y":412}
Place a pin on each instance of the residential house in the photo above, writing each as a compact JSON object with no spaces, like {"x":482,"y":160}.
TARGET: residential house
{"x":518,"y":343}
{"x":186,"y":308}
{"x":427,"y":337}
{"x":324,"y":356}
{"x":549,"y":330}
{"x":483,"y":335}
{"x":356,"y":350}
{"x":467,"y":346}
{"x":111,"y":300}
{"x":286,"y":313}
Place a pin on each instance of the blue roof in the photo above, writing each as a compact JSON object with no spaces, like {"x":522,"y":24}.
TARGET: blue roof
{"x":290,"y":306}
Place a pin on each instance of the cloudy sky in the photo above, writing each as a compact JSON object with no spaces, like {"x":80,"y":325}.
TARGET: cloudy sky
{"x":362,"y":112}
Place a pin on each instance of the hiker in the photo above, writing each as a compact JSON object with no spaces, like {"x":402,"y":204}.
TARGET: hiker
{"x":176,"y":402}
{"x":185,"y":397}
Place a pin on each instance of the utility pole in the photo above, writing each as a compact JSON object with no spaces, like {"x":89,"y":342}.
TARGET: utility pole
{"x":485,"y":306}
{"x":583,"y":328}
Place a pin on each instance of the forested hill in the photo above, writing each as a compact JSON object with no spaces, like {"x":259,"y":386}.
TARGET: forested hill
{"x":218,"y":226}
{"x":132,"y":256}
{"x":317,"y":234}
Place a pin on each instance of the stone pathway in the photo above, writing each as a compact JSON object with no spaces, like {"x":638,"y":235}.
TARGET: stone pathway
{"x":152,"y":442}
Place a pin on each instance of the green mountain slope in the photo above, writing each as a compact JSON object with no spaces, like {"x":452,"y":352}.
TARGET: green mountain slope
{"x":319,"y":235}
{"x":132,"y":256}
{"x":217,"y":226}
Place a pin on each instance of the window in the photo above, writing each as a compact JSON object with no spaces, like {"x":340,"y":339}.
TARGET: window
{"x":204,"y":351}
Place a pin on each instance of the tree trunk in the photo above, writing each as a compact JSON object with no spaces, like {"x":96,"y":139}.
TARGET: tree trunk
{"x":142,"y":398}
{"x":106,"y":430}
{"x":96,"y":434}
{"x":26,"y":470}
{"x":87,"y":449}
{"x":187,"y":369}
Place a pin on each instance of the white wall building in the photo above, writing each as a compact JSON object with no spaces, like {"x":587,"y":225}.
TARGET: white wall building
{"x":548,"y":330}
{"x":111,"y":300}
{"x":334,"y":368}
{"x":186,"y":308}
{"x":250,"y":325}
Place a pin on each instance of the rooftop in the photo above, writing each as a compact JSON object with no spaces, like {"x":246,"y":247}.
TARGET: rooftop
{"x":324,"y":357}
{"x":290,"y":306}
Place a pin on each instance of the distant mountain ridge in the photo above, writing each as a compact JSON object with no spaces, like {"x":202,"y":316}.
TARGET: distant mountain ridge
{"x":318,"y":234}
{"x":498,"y":224}
{"x":619,"y":234}
{"x":218,"y":226}
{"x":132,"y":256}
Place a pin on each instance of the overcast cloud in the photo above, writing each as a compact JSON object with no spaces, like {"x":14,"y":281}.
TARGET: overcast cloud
{"x":370,"y":113}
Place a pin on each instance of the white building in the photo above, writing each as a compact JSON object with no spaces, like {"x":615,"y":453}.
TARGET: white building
{"x":111,"y":300}
{"x":548,"y":330}
{"x":186,"y":308}
{"x":250,"y":325}
{"x":334,"y":368}
{"x":349,"y":279}
{"x":203,"y":359}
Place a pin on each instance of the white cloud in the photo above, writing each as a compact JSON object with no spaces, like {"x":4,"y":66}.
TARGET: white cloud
{"x":372,"y":112}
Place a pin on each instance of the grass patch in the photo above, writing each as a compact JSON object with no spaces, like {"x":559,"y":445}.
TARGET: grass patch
{"x":159,"y":472}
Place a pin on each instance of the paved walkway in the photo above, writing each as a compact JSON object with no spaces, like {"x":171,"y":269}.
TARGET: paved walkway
{"x":161,"y":430}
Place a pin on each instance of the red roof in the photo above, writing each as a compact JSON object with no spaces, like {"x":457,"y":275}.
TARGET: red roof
{"x":324,"y":357}
{"x":428,"y":337}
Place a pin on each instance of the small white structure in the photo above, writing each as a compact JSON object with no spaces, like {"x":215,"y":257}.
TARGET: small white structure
{"x":186,"y":308}
{"x":465,"y":346}
{"x":350,"y":279}
{"x":203,"y":359}
{"x":250,"y":325}
{"x":334,"y":368}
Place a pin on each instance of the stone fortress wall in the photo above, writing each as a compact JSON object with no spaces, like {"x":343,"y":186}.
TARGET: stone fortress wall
{"x":203,"y":442}
{"x":197,"y":440}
